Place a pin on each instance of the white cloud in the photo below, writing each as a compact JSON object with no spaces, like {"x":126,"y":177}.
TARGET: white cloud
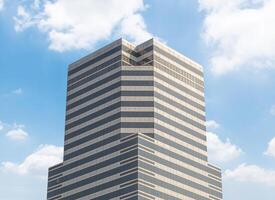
{"x":212,"y":124}
{"x":271,"y":148}
{"x":14,"y":131}
{"x":18,"y":91}
{"x":220,"y":151}
{"x":81,"y":24}
{"x":37,"y":163}
{"x":272,"y":110}
{"x":1,"y":4}
{"x":241,"y":33}
{"x":17,"y":134}
{"x":251,"y":173}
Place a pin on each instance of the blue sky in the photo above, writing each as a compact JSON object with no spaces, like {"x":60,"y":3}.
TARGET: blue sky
{"x":233,"y":39}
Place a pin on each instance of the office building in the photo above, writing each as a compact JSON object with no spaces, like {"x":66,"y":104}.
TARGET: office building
{"x":135,"y":128}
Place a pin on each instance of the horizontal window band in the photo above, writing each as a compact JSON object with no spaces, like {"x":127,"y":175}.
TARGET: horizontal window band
{"x":138,"y":114}
{"x":53,"y":188}
{"x":174,"y":155}
{"x":215,"y":188}
{"x":137,"y":103}
{"x":94,"y":85}
{"x":92,"y":147}
{"x":105,"y":90}
{"x":105,"y":120}
{"x":92,"y":115}
{"x":55,"y":166}
{"x":137,"y":125}
{"x":106,"y":70}
{"x":143,"y":195}
{"x":55,"y":198}
{"x":135,"y":93}
{"x":146,"y":160}
{"x":95,"y":166}
{"x":128,"y":160}
{"x":178,"y":86}
{"x":180,"y":116}
{"x":82,"y":76}
{"x":127,"y":136}
{"x":128,"y":183}
{"x":146,"y":171}
{"x":180,"y":168}
{"x":164,"y":65}
{"x":54,"y":177}
{"x":92,"y":126}
{"x":179,"y":106}
{"x":93,"y":105}
{"x":177,"y":60}
{"x":113,"y":117}
{"x":92,"y":136}
{"x":180,"y":147}
{"x":161,"y":62}
{"x":212,"y":197}
{"x":129,"y":171}
{"x":179,"y":77}
{"x":128,"y":149}
{"x":98,"y":58}
{"x":145,"y":183}
{"x":215,"y":177}
{"x":179,"y":179}
{"x":156,"y":193}
{"x":92,"y":179}
{"x":109,"y":195}
{"x":180,"y":126}
{"x":146,"y":149}
{"x":94,"y":60}
{"x":108,"y":79}
{"x":136,"y":73}
{"x":129,"y":83}
{"x":180,"y":136}
{"x":93,"y":95}
{"x":179,"y":96}
{"x":128,"y":195}
{"x":93,"y":76}
{"x":124,"y":103}
{"x":147,"y":136}
{"x":95,"y":156}
{"x":171,"y":187}
{"x":218,"y":169}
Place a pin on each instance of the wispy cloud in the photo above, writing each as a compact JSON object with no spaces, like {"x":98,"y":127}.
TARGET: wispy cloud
{"x":241,"y":34}
{"x":212,"y":124}
{"x":14,"y":131}
{"x":37,"y":163}
{"x":81,"y":24}
{"x":251,"y":173}
{"x":271,"y":148}
{"x":17,"y":134}
{"x":221,"y":151}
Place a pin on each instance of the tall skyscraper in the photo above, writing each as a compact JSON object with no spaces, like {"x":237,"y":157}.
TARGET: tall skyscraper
{"x":135,"y":128}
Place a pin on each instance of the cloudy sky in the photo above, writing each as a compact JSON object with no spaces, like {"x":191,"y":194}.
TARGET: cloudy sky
{"x":233,"y":39}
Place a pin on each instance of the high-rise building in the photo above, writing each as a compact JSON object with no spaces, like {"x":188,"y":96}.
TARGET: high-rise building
{"x":135,"y":128}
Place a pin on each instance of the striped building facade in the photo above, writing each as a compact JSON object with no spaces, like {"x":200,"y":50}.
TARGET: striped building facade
{"x":135,"y":128}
